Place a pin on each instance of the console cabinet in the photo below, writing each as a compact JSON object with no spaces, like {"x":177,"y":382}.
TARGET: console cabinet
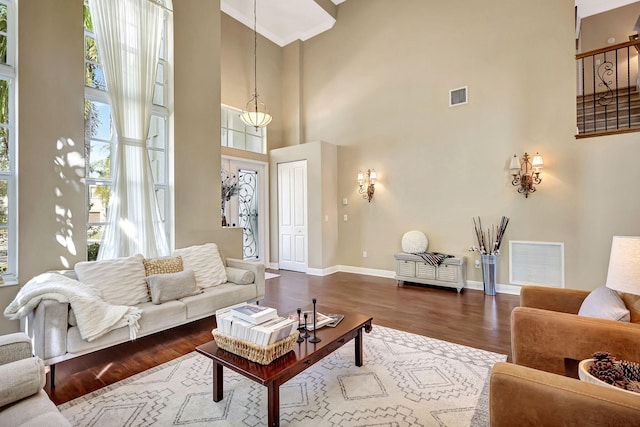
{"x":452,"y":273}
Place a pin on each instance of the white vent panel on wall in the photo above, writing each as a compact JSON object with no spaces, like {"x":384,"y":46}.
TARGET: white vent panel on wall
{"x":458,"y":96}
{"x":536,"y":263}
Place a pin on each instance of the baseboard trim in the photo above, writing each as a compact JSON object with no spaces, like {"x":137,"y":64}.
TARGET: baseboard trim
{"x":389,"y":274}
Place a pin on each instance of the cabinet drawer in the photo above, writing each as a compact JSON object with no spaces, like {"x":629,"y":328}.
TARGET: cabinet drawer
{"x":425,"y":271}
{"x":406,"y":268}
{"x":447,"y":273}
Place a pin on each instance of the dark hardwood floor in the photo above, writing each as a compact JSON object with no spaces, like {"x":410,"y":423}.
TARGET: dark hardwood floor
{"x":469,"y":318}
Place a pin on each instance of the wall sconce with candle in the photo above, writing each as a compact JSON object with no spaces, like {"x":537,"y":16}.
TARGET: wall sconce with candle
{"x":526,"y":173}
{"x":366,"y":184}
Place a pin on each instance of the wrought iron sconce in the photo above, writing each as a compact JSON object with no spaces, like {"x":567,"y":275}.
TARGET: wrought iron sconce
{"x":366,"y":184}
{"x":526,"y":173}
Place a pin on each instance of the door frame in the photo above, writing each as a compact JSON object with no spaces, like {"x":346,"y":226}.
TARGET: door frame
{"x":263,"y":201}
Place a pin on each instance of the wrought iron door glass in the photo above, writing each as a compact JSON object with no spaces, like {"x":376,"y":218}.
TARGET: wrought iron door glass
{"x":248,"y":212}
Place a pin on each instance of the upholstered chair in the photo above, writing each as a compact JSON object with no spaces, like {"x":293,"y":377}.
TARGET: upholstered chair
{"x":548,"y":339}
{"x":23,"y":402}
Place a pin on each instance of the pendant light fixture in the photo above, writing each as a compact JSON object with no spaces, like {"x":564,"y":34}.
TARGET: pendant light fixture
{"x":256,"y":113}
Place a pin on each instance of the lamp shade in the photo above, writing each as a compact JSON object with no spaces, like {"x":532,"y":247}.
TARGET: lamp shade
{"x":360,"y":177}
{"x":255,"y":119}
{"x":537,"y":162}
{"x":515,"y":163}
{"x":624,"y":265}
{"x":373,"y":176}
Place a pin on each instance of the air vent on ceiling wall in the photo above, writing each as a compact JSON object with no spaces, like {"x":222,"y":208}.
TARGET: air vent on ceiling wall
{"x":458,"y":96}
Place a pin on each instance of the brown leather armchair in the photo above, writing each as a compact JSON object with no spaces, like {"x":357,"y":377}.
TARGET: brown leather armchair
{"x":547,"y":340}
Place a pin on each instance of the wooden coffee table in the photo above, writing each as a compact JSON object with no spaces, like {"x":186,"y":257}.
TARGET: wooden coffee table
{"x":291,"y":364}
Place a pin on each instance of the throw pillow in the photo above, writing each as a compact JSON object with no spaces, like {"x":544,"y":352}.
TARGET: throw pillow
{"x":172,"y":286}
{"x":604,"y":303}
{"x":632,"y":302}
{"x":163,"y":265}
{"x":121,"y":280}
{"x":206,"y":263}
{"x":240,"y":276}
{"x":414,"y":242}
{"x":21,"y":378}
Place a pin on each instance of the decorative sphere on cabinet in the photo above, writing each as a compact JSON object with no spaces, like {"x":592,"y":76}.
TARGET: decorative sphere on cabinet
{"x":414,"y":242}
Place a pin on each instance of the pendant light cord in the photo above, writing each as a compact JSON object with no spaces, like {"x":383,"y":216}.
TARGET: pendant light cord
{"x":255,"y":52}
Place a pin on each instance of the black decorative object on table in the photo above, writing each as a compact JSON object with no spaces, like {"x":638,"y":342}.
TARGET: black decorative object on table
{"x":314,"y":339}
{"x":300,"y":339}
{"x":305,"y":333}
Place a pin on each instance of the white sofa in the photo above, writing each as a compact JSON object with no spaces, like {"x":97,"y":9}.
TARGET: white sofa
{"x":56,"y":336}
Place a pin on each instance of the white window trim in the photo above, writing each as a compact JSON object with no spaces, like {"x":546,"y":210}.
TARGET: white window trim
{"x":9,"y":73}
{"x":97,"y":95}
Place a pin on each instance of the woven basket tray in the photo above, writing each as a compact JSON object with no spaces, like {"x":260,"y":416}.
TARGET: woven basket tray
{"x":254,"y":352}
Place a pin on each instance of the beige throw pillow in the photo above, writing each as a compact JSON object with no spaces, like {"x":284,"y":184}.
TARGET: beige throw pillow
{"x":604,"y":303}
{"x":172,"y":286}
{"x":121,"y":280}
{"x":206,"y":263}
{"x":163,"y":265}
{"x":240,"y":276}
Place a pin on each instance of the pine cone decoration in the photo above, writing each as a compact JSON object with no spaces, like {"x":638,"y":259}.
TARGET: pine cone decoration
{"x":631,"y":370}
{"x":605,"y":368}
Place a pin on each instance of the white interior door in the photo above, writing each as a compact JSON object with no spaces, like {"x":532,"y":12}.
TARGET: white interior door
{"x":292,"y":216}
{"x":248,"y":207}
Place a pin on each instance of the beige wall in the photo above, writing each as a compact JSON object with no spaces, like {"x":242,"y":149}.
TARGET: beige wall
{"x":237,"y":74}
{"x":52,"y":231}
{"x":618,"y":23}
{"x":51,"y":135}
{"x":595,"y":33}
{"x":377,"y":86}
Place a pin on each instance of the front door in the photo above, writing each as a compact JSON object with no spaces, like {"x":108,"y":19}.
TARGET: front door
{"x":247,"y":206}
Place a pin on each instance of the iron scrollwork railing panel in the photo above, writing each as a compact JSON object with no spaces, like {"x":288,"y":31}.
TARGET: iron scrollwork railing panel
{"x":605,"y":73}
{"x":248,"y":212}
{"x":608,"y":99}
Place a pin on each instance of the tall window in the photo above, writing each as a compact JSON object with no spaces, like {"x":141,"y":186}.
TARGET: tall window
{"x":8,"y":143}
{"x":236,"y":134}
{"x":100,"y":139}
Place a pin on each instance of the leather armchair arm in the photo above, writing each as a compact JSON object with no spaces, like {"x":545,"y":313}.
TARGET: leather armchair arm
{"x":520,"y":396}
{"x":562,"y":300}
{"x":543,"y":339}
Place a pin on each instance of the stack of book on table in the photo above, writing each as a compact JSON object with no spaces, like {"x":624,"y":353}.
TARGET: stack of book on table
{"x":254,"y":323}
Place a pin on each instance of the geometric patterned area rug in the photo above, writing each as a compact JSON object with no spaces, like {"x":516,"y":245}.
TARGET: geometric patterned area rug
{"x":406,"y":380}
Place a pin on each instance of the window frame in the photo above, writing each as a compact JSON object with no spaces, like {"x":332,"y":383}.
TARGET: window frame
{"x":246,"y":131}
{"x":8,"y":73}
{"x":162,"y":111}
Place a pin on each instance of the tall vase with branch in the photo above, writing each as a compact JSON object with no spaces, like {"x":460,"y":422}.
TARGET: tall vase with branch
{"x":489,"y":243}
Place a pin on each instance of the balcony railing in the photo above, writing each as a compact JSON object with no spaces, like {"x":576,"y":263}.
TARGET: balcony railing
{"x":608,"y":99}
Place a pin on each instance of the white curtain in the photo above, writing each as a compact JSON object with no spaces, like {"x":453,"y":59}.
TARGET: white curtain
{"x":129,"y":33}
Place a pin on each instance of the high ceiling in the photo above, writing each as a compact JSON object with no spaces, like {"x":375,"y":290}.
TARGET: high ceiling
{"x":284,"y":21}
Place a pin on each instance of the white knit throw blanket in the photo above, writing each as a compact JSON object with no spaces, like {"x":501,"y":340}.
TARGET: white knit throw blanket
{"x":95,"y":317}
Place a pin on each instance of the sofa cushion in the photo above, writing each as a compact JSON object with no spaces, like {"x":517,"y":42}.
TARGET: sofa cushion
{"x":165,"y":265}
{"x":121,"y":280}
{"x":205,"y":262}
{"x":212,"y":299}
{"x":240,"y":276}
{"x":154,"y":318}
{"x":34,"y":411}
{"x":172,"y":286}
{"x":604,"y":303}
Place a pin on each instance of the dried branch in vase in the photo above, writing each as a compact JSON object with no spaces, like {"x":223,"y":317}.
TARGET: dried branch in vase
{"x":489,"y":241}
